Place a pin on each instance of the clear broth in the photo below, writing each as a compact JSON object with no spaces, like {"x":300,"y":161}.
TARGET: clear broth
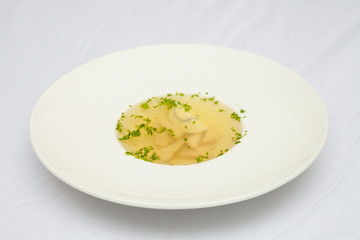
{"x":203,"y":133}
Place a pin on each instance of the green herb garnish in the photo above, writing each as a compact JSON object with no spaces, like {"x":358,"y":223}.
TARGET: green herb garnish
{"x":150,"y":130}
{"x":222,"y":152}
{"x":170,"y":103}
{"x":235,"y":116}
{"x":201,"y":158}
{"x":144,"y":153}
{"x":237,"y":135}
{"x":145,"y":105}
{"x":119,"y":126}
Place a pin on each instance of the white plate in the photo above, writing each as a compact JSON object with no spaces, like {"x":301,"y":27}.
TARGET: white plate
{"x":72,"y":126}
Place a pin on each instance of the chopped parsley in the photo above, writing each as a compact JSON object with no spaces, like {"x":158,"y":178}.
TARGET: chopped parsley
{"x":201,"y":158}
{"x":150,"y":130}
{"x":119,"y":126}
{"x":144,"y":153}
{"x":235,"y":116}
{"x":222,"y":152}
{"x":131,"y":134}
{"x":211,"y":99}
{"x":171,"y":103}
{"x":145,"y":105}
{"x":186,"y":107}
{"x":237,"y":136}
{"x":168,"y":102}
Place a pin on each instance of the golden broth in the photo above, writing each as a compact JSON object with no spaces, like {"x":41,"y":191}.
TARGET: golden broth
{"x":179,"y":129}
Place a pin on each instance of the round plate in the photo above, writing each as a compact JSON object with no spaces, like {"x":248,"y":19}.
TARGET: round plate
{"x":72,"y":126}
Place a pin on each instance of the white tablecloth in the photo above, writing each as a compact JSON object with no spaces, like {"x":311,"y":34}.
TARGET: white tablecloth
{"x":42,"y":40}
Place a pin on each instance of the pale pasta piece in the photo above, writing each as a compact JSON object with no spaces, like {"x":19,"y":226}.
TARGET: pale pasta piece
{"x":194,"y":140}
{"x":166,"y":153}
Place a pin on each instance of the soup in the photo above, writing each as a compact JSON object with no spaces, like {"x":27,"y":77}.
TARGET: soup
{"x":179,"y":129}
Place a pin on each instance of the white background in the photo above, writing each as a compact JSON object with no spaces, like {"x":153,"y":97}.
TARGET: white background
{"x":42,"y":40}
